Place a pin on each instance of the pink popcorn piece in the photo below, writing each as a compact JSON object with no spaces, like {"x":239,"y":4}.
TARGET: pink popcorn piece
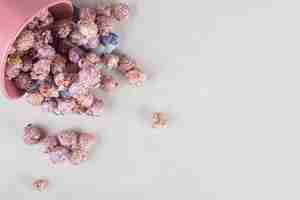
{"x":32,"y":135}
{"x":50,"y":106}
{"x":40,"y":185}
{"x":46,"y":52}
{"x":120,"y":11}
{"x":58,"y":64}
{"x":105,"y":24}
{"x":88,"y":14}
{"x":14,"y":65}
{"x":88,"y":29}
{"x":12,"y":49}
{"x":108,"y":84}
{"x":65,"y":106}
{"x":63,"y":28}
{"x":78,"y":89}
{"x":78,"y":155}
{"x":87,"y":141}
{"x":75,"y":54}
{"x":136,"y":77}
{"x":93,"y":58}
{"x":90,"y":77}
{"x":45,"y":18}
{"x":34,"y":98}
{"x":125,"y":64}
{"x":59,"y":155}
{"x":159,"y":120}
{"x":23,"y":81}
{"x":78,"y":38}
{"x":27,"y":64}
{"x":47,"y":89}
{"x":111,"y":61}
{"x":41,"y":69}
{"x":103,"y":10}
{"x":68,"y":138}
{"x":85,"y":100}
{"x":96,"y":109}
{"x":63,"y":80}
{"x":50,"y":143}
{"x":25,"y":40}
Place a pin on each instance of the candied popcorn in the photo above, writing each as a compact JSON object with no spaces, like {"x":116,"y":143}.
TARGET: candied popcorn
{"x":78,"y":38}
{"x":120,"y":11}
{"x":67,"y":138}
{"x":88,"y":29}
{"x":125,"y":64}
{"x":40,"y":185}
{"x":88,"y":14}
{"x":61,"y":63}
{"x":87,"y":141}
{"x":58,"y":65}
{"x":159,"y":120}
{"x":85,"y":100}
{"x":103,"y":10}
{"x":108,"y":84}
{"x":32,"y":135}
{"x":23,"y":81}
{"x":63,"y":28}
{"x":50,"y":143}
{"x":105,"y":24}
{"x":90,"y":76}
{"x":35,"y":98}
{"x":41,"y":69}
{"x":59,"y":155}
{"x":50,"y":106}
{"x":96,"y":109}
{"x":93,"y":58}
{"x":27,"y":64}
{"x":25,"y":40}
{"x":78,"y":155}
{"x":65,"y":106}
{"x":75,"y":54}
{"x":111,"y":61}
{"x":136,"y":77}
{"x":68,"y":146}
{"x":46,"y":52}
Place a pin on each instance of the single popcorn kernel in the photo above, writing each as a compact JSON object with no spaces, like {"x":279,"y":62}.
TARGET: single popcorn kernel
{"x":120,"y":11}
{"x":68,"y":138}
{"x":35,"y":98}
{"x":32,"y":135}
{"x":25,"y":40}
{"x":40,"y":185}
{"x":159,"y":120}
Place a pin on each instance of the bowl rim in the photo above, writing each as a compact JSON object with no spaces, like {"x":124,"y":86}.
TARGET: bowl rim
{"x":4,"y":81}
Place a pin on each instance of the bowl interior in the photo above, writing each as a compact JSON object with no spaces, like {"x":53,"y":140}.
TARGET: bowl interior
{"x":60,"y":10}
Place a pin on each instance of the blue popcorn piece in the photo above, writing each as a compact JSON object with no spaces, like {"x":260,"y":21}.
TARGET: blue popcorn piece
{"x":34,"y":86}
{"x":65,"y":94}
{"x":110,"y":39}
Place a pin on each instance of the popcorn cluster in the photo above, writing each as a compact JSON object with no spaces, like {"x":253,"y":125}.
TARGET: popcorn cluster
{"x":60,"y":63}
{"x":66,"y":146}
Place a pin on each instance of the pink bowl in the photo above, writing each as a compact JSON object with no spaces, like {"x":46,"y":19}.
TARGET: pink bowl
{"x":15,"y":15}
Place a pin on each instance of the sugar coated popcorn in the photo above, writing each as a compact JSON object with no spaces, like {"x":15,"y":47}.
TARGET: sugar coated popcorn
{"x":68,"y":146}
{"x":32,"y":134}
{"x":159,"y":120}
{"x":40,"y":185}
{"x":60,"y":64}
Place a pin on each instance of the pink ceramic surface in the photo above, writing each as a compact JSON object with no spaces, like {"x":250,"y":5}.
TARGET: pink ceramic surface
{"x":15,"y":15}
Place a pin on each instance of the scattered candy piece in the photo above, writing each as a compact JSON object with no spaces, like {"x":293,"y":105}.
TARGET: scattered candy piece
{"x":40,"y":185}
{"x":159,"y":120}
{"x":32,"y":135}
{"x":120,"y":11}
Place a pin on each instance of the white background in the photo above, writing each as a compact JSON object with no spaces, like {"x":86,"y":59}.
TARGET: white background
{"x":227,"y":73}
